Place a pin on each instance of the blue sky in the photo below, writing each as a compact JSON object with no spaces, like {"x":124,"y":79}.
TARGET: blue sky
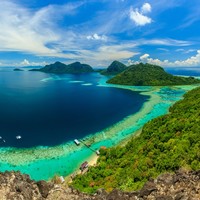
{"x":163,"y":32}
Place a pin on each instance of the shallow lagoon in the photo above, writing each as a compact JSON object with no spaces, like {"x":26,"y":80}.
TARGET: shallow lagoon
{"x":44,"y":162}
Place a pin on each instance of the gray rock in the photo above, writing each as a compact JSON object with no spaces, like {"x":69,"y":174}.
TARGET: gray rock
{"x":147,"y":189}
{"x":44,"y":188}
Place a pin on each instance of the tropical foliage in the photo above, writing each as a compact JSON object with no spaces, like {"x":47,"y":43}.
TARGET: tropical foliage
{"x":166,"y":143}
{"x":114,"y":68}
{"x":149,"y":75}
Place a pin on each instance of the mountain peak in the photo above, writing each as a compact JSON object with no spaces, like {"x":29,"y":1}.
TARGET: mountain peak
{"x":114,"y":68}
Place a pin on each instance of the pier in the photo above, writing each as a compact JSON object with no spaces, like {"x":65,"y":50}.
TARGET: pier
{"x":77,"y":142}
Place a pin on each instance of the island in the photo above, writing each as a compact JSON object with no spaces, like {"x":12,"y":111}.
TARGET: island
{"x":114,"y":68}
{"x":18,"y":69}
{"x":61,"y":68}
{"x":149,"y":75}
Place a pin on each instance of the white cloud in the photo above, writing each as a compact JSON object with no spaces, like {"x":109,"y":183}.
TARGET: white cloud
{"x":139,"y":17}
{"x":35,"y":31}
{"x":193,"y":61}
{"x":95,"y":36}
{"x":185,"y":50}
{"x":164,"y":42}
{"x":144,"y":57}
{"x":31,"y":31}
{"x":146,"y":8}
{"x":25,"y":62}
{"x":179,"y":50}
{"x":107,"y":53}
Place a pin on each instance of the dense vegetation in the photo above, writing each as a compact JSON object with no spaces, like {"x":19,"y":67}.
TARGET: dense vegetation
{"x":114,"y":68}
{"x":166,"y":143}
{"x":61,"y":68}
{"x":147,"y":75}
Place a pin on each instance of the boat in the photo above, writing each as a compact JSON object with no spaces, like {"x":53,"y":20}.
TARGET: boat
{"x":97,"y":152}
{"x":84,"y":165}
{"x":76,"y":142}
{"x":18,"y":137}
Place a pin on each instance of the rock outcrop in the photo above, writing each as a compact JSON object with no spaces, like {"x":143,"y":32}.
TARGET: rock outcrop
{"x":179,"y":186}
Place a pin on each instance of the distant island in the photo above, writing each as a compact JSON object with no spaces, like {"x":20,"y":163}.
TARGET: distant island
{"x":61,"y":68}
{"x":149,"y":75}
{"x":18,"y":69}
{"x":114,"y":68}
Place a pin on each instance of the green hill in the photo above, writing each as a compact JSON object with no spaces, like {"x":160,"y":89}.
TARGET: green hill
{"x":61,"y":68}
{"x":114,"y":68}
{"x":166,"y":143}
{"x":149,"y":75}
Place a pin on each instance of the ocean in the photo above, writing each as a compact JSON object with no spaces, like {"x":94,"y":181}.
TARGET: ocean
{"x":39,"y":109}
{"x":41,"y":115}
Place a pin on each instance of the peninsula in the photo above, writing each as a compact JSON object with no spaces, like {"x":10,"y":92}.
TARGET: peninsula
{"x":149,"y":75}
{"x":61,"y":68}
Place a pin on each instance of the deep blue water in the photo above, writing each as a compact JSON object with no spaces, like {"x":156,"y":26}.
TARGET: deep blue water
{"x":48,"y":110}
{"x":190,"y":71}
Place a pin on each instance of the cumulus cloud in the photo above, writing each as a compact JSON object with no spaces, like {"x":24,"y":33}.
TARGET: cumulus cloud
{"x":144,"y":57}
{"x":95,"y":36}
{"x":146,"y":8}
{"x":193,"y":61}
{"x":138,"y":15}
{"x":26,"y":62}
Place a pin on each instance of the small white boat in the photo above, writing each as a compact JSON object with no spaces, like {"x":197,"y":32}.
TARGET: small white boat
{"x":76,"y":142}
{"x":97,"y":152}
{"x":18,"y":137}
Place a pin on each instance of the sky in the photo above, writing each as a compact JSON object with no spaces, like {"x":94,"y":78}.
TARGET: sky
{"x":96,"y":32}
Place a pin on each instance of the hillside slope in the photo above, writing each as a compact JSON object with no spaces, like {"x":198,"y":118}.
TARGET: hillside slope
{"x":114,"y":68}
{"x":149,"y":75}
{"x":166,"y":143}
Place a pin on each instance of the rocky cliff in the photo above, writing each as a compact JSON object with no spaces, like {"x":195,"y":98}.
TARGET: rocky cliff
{"x":182,"y":185}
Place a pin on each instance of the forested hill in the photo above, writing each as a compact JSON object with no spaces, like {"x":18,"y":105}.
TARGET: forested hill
{"x":149,"y":75}
{"x":61,"y":68}
{"x":166,"y":143}
{"x":114,"y":68}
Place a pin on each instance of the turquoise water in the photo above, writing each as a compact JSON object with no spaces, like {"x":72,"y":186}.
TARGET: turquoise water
{"x":45,"y":162}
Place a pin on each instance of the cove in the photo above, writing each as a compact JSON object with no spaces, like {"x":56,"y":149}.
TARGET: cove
{"x":48,"y":110}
